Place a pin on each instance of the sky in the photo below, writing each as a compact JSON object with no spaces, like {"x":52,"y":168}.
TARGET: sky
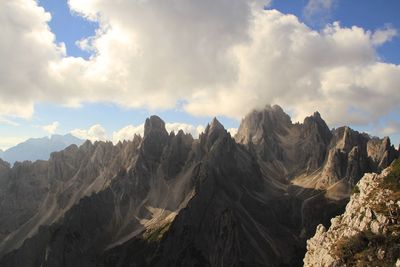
{"x":98,"y":69}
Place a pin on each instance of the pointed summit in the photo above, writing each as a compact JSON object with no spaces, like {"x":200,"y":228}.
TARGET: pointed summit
{"x":216,"y":125}
{"x":316,"y":117}
{"x":214,"y":131}
{"x":315,"y":125}
{"x":214,"y":128}
{"x":260,"y":123}
{"x":155,"y":138}
{"x":154,"y":124}
{"x":316,"y":114}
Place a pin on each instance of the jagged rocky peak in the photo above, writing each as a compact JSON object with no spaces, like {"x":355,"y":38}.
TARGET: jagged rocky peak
{"x":182,"y":137}
{"x":351,"y":154}
{"x":155,"y":138}
{"x":87,"y":146}
{"x":316,"y":117}
{"x":176,"y":153}
{"x":137,"y":138}
{"x":262,"y":122}
{"x":315,"y":124}
{"x":154,"y":124}
{"x":213,"y":132}
{"x":272,"y":122}
{"x":215,"y":126}
{"x":346,"y":138}
{"x":381,"y":152}
{"x":289,"y":149}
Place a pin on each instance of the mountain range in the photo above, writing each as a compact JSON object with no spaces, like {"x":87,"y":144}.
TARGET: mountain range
{"x":38,"y":148}
{"x":167,"y":199}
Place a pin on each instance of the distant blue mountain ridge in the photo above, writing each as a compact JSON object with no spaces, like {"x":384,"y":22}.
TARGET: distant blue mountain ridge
{"x":38,"y":148}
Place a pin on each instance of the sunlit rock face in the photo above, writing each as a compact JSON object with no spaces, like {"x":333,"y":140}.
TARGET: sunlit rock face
{"x":166,"y":199}
{"x":367,"y":233}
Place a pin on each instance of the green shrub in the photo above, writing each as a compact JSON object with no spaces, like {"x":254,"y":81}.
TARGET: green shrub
{"x":361,"y":249}
{"x":355,"y":190}
{"x":392,"y":180}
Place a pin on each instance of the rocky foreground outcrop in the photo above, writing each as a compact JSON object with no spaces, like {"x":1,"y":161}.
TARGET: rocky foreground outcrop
{"x":368,"y":233}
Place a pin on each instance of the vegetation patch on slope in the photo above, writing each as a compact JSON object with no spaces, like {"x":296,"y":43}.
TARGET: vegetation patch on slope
{"x":368,"y":249}
{"x":392,"y":180}
{"x":156,"y":234}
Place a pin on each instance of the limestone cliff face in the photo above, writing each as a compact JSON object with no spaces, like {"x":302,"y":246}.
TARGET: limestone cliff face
{"x":351,"y":154}
{"x":368,"y":233}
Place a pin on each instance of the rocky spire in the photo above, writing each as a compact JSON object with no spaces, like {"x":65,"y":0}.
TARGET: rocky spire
{"x":214,"y":131}
{"x":214,"y":127}
{"x":316,"y":125}
{"x":154,"y":124}
{"x":260,"y":123}
{"x":155,"y":138}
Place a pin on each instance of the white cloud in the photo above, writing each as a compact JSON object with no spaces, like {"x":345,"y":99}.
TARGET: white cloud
{"x":195,"y":131}
{"x":217,"y":57}
{"x":335,"y":71}
{"x":383,"y":35}
{"x":127,"y":133}
{"x":94,"y":133}
{"x":98,"y":132}
{"x":232,"y":131}
{"x":51,"y":128}
{"x":318,"y":10}
{"x":26,"y":49}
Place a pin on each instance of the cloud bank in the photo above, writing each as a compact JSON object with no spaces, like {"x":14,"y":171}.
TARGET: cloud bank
{"x":97,"y":132}
{"x":211,"y":57}
{"x":51,"y":128}
{"x":127,"y":132}
{"x":94,"y":133}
